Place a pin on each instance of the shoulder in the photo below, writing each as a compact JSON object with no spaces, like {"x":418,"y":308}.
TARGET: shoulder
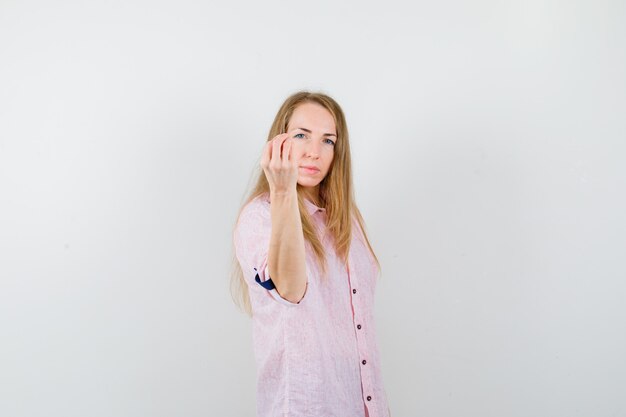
{"x":357,"y":232}
{"x":256,"y":210}
{"x":259,"y":204}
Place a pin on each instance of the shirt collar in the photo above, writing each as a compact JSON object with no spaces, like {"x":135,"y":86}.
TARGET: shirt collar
{"x":312,"y":208}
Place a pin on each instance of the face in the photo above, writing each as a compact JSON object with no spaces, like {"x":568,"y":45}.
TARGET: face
{"x":312,"y":128}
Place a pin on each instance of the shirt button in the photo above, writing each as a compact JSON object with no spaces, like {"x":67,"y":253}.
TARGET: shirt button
{"x":354,"y":291}
{"x":369,"y":398}
{"x":364,"y":362}
{"x":358,"y":326}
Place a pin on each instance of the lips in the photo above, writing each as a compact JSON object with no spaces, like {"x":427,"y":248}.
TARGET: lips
{"x":310,"y":168}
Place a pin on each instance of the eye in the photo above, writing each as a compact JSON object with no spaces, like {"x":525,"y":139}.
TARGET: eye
{"x":331,"y":142}
{"x":296,"y":135}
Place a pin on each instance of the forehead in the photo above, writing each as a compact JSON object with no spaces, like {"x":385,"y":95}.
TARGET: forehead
{"x":313,"y":116}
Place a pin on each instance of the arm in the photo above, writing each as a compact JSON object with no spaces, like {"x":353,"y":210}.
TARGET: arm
{"x":286,"y":257}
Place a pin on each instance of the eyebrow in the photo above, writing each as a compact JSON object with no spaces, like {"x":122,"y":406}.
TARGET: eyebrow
{"x":308,"y":131}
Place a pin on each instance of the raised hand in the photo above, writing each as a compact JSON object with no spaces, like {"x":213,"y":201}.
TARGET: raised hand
{"x":280,"y":167}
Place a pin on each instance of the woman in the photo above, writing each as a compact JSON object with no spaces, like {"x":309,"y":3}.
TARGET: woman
{"x":306,"y":271}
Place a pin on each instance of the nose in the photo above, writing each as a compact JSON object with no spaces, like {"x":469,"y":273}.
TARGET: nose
{"x":313,"y":148}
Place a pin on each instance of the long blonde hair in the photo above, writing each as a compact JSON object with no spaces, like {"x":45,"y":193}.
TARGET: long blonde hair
{"x":336,"y":194}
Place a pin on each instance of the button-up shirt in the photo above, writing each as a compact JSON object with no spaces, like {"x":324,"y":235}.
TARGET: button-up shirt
{"x":318,"y":357}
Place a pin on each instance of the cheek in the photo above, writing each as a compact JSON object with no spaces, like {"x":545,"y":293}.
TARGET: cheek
{"x":328,"y":160}
{"x":296,"y":147}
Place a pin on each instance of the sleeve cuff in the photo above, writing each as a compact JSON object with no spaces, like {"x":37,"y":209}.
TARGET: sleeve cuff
{"x":263,"y":279}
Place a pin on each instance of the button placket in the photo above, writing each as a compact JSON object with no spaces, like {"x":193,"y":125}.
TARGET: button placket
{"x":365,"y":380}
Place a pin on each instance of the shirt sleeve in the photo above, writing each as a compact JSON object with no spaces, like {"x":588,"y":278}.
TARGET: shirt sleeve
{"x":251,"y":238}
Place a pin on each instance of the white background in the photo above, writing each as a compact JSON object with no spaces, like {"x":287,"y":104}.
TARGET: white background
{"x":489,"y":151}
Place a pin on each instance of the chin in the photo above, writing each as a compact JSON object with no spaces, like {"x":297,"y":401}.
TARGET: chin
{"x":308,"y":182}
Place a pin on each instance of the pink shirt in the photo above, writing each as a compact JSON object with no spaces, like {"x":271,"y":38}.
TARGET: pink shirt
{"x":318,"y":357}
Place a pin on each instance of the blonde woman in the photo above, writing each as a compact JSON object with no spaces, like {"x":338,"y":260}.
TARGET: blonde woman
{"x":306,"y":273}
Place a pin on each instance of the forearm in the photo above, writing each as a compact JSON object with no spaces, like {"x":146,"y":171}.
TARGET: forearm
{"x":286,"y":256}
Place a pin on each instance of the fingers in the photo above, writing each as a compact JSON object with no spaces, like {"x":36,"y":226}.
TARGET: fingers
{"x":280,"y":171}
{"x":266,"y":155}
{"x":272,"y":149}
{"x":276,"y":147}
{"x":287,"y":150}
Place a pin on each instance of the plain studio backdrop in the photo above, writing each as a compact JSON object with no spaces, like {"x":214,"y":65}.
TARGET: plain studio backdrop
{"x":489,"y":155}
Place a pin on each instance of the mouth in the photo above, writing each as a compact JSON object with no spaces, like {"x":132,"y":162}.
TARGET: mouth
{"x":310,"y":170}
